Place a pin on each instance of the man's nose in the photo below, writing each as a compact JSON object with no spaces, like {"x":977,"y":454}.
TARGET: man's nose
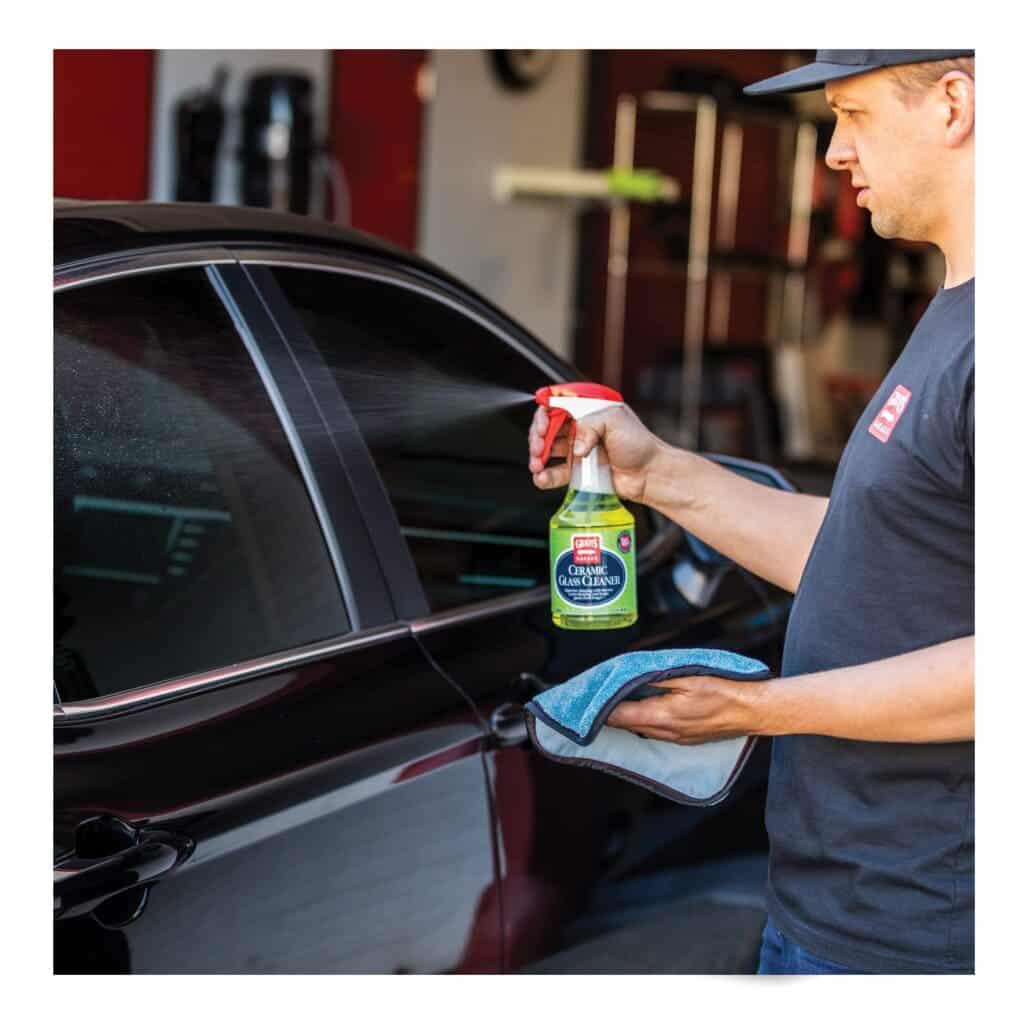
{"x":840,"y":151}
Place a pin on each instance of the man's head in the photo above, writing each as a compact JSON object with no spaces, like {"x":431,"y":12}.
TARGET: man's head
{"x":904,"y":131}
{"x":906,"y":135}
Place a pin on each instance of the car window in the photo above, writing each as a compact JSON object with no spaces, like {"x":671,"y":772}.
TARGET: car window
{"x":444,"y":405}
{"x":185,"y":538}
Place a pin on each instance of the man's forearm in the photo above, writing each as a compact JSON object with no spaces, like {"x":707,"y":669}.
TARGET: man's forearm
{"x":767,"y":531}
{"x":926,"y":696}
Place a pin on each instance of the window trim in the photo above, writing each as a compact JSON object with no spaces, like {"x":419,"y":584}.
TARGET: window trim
{"x":96,"y":270}
{"x":393,"y":560}
{"x":401,"y":277}
{"x":74,"y":712}
{"x":245,"y":331}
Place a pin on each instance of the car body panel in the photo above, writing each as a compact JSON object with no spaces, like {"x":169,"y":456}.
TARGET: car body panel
{"x":314,"y":797}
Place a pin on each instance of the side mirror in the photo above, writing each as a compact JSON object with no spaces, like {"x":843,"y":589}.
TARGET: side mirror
{"x":697,"y":577}
{"x":759,"y":472}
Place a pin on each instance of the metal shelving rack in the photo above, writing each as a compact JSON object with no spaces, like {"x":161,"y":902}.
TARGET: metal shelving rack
{"x":706,"y":265}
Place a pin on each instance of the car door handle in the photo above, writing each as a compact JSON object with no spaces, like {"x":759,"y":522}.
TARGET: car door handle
{"x":80,"y":885}
{"x":508,"y":725}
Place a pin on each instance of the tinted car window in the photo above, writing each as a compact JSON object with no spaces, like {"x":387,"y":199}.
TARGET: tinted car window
{"x":444,"y":406}
{"x":184,"y":536}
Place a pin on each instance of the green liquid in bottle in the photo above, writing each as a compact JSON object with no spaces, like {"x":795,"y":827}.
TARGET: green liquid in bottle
{"x":593,"y":563}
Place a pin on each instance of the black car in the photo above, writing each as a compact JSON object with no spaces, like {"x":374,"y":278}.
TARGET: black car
{"x":300,"y":599}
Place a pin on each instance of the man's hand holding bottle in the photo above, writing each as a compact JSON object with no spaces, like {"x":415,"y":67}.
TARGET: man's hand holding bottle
{"x":768,"y":531}
{"x":630,"y":447}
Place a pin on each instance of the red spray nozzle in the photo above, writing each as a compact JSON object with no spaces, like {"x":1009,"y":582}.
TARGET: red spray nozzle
{"x":558,"y":414}
{"x":580,"y":389}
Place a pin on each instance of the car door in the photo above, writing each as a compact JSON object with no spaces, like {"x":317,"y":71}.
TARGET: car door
{"x":440,"y":388}
{"x":256,"y":768}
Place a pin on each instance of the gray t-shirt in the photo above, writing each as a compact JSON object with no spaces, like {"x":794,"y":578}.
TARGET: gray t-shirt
{"x":872,"y":844}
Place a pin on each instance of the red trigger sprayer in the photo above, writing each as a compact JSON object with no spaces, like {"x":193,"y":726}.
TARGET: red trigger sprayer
{"x":593,"y":567}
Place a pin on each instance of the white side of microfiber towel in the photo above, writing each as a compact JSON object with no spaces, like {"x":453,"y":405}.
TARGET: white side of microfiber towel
{"x":697,"y":772}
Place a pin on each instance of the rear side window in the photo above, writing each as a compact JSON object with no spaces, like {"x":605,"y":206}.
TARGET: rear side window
{"x":444,"y":405}
{"x":184,"y":536}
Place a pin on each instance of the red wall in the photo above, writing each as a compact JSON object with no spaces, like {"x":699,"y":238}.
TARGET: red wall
{"x":102,"y":111}
{"x":375,"y":134}
{"x":101,"y":116}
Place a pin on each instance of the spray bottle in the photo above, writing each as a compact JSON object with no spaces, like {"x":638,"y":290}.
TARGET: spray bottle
{"x":593,"y":564}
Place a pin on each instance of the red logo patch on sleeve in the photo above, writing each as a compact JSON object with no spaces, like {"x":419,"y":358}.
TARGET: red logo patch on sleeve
{"x":886,"y":420}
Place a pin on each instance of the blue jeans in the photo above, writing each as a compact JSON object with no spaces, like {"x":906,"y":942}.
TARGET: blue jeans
{"x":780,"y":955}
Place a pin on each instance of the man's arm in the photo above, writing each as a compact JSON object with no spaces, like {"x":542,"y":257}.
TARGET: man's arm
{"x":925,"y":696}
{"x":767,"y":531}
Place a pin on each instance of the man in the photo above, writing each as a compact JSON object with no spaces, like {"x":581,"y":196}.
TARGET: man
{"x":871,"y":791}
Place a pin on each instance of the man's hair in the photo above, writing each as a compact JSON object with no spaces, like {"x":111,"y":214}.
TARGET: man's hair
{"x":912,"y":81}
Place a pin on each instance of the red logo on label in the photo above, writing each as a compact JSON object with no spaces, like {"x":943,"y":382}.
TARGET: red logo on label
{"x":886,"y":420}
{"x":586,"y":549}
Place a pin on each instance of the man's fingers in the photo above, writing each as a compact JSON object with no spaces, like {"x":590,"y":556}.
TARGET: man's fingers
{"x":683,"y":684}
{"x":658,"y":734}
{"x":553,"y":476}
{"x":646,"y":729}
{"x":548,"y":477}
{"x":559,"y":450}
{"x":538,"y":428}
{"x":650,"y":733}
{"x":538,"y":431}
{"x":649,"y":713}
{"x":540,"y":420}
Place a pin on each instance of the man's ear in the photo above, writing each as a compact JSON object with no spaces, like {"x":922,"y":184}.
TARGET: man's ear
{"x":957,"y":100}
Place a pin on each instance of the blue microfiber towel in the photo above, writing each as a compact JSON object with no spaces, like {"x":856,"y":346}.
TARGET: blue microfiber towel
{"x":567,"y":724}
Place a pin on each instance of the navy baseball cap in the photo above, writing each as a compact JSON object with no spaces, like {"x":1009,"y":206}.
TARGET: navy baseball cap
{"x":829,"y":65}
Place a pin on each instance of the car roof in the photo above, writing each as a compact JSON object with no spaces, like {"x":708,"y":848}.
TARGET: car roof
{"x":90,"y":229}
{"x":85,"y":229}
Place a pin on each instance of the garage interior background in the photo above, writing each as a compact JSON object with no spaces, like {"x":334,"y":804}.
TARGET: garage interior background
{"x":755,"y":312}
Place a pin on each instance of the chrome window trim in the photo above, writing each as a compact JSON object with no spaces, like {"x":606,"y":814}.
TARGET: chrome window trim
{"x":96,"y":269}
{"x":395,"y":276}
{"x":298,"y":451}
{"x":480,"y":610}
{"x":202,"y":682}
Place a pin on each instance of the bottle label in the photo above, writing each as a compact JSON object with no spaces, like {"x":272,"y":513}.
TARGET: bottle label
{"x":592,"y":570}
